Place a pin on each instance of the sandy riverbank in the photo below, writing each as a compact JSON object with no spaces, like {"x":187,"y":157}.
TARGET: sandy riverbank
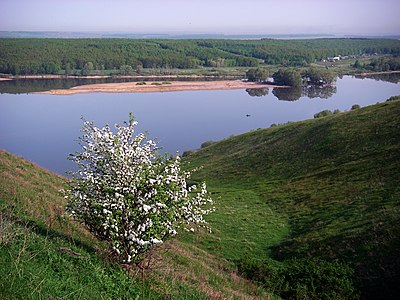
{"x":136,"y":87}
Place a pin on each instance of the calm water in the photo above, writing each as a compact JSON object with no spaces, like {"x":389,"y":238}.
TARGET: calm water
{"x":45,"y":128}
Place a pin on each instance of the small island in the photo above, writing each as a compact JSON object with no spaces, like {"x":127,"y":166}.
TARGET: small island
{"x":156,"y":86}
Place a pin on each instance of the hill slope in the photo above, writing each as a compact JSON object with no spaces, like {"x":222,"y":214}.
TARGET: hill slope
{"x":295,"y":204}
{"x":326,"y":188}
{"x":43,"y":254}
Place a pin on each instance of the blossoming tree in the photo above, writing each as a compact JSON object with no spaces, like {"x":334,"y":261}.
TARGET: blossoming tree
{"x":125,"y":192}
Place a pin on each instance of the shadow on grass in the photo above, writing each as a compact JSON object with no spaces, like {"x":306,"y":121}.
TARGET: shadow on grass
{"x":45,"y":231}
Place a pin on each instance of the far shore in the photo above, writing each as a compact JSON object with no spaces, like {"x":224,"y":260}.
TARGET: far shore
{"x":158,"y":86}
{"x":49,"y":76}
{"x":377,"y":73}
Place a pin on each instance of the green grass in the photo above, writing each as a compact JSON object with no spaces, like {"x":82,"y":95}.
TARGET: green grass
{"x":326,"y":188}
{"x":48,"y":256}
{"x":45,"y":255}
{"x":310,"y":202}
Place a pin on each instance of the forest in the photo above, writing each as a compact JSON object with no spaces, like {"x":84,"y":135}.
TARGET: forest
{"x":130,"y":56}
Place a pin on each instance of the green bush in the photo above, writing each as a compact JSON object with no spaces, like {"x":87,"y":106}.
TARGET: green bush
{"x":355,"y":106}
{"x":206,"y":144}
{"x":393,"y":98}
{"x":323,"y":113}
{"x":308,"y":278}
{"x":320,"y":76}
{"x":289,"y":77}
{"x":187,"y":153}
{"x":257,"y":75}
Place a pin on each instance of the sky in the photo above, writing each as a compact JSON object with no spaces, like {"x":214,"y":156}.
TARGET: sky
{"x":204,"y":16}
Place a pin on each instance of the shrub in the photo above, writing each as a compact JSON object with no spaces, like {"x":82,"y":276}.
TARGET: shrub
{"x":393,"y":98}
{"x":141,"y":83}
{"x":290,"y":77}
{"x":128,"y":194}
{"x":257,"y":75}
{"x":355,"y":106}
{"x":281,"y":124}
{"x":320,"y":76}
{"x":187,"y":153}
{"x":308,"y":278}
{"x":323,"y":113}
{"x":206,"y":144}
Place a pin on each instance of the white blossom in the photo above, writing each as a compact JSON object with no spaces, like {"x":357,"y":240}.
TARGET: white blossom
{"x":127,"y":193}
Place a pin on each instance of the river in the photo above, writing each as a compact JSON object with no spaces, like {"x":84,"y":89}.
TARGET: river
{"x":45,"y":128}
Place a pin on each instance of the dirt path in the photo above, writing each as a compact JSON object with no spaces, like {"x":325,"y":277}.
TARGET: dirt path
{"x":137,"y":87}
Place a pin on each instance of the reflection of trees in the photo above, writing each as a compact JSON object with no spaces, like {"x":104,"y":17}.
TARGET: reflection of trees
{"x":311,"y":91}
{"x":257,"y":92}
{"x":317,"y":91}
{"x":392,"y":77}
{"x":288,"y":94}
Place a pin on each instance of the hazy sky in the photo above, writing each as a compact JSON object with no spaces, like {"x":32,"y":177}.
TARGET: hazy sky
{"x":203,"y":16}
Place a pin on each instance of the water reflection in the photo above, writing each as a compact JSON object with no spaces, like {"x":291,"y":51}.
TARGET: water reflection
{"x":317,"y":91}
{"x":257,"y":92}
{"x":294,"y":93}
{"x":393,"y":77}
{"x":288,"y":94}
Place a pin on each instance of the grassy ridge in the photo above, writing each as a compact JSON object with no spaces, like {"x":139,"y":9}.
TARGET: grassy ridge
{"x":326,"y":188}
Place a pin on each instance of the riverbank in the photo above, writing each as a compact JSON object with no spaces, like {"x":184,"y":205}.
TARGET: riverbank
{"x":157,"y":86}
{"x":176,"y":76}
{"x":377,"y":73}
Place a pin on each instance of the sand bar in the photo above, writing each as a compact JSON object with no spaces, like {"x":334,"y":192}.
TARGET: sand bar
{"x":137,"y":87}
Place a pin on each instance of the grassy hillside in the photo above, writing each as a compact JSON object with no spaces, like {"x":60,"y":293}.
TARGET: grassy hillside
{"x":44,"y":255}
{"x":325,"y":189}
{"x":310,"y":210}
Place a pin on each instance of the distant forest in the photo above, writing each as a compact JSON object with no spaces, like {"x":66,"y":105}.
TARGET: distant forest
{"x":129,"y":56}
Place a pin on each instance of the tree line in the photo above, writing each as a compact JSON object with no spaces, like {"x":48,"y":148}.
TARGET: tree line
{"x":293,"y":77}
{"x":379,"y":64}
{"x":130,"y":56}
